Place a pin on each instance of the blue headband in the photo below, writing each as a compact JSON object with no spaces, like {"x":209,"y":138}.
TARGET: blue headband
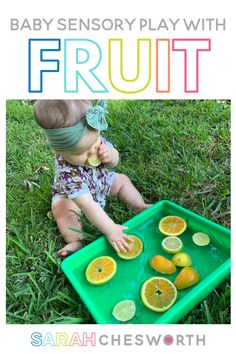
{"x":62,"y":139}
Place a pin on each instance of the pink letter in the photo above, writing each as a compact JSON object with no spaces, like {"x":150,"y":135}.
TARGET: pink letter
{"x":89,"y":339}
{"x":75,"y":339}
{"x":191,"y":49}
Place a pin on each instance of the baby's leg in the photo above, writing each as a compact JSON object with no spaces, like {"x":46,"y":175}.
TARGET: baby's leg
{"x":123,"y":188}
{"x":66,"y":214}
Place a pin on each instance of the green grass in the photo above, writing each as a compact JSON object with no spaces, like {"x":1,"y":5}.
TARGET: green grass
{"x":177,"y":150}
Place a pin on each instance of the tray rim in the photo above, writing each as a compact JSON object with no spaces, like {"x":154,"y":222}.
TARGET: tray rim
{"x":185,"y":304}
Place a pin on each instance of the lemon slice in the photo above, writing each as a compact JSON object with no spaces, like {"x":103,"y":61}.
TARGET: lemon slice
{"x":172,"y":225}
{"x":172,"y":244}
{"x":94,"y":160}
{"x":201,"y":239}
{"x":124,"y":310}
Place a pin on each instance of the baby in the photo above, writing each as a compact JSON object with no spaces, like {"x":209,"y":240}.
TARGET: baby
{"x":73,"y":129}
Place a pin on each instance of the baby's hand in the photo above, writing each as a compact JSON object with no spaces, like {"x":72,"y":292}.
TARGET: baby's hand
{"x":104,"y":153}
{"x":117,"y":238}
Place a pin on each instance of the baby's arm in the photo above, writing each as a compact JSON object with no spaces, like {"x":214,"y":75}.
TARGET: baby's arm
{"x":97,"y":216}
{"x":108,"y":155}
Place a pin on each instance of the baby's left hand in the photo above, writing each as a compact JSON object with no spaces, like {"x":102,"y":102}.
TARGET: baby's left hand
{"x":105,"y":154}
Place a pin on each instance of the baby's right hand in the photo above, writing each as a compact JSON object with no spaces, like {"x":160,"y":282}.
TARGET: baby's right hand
{"x":117,"y":238}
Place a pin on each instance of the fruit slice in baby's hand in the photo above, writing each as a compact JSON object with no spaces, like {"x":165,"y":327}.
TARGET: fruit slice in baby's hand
{"x":94,"y":160}
{"x":136,"y":248}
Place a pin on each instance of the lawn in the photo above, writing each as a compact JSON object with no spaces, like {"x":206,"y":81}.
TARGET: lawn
{"x":171,"y":149}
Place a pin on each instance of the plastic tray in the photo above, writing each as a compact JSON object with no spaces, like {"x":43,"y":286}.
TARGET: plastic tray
{"x":212,"y":262}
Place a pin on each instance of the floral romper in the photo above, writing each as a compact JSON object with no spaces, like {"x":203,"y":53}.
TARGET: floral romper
{"x":73,"y":181}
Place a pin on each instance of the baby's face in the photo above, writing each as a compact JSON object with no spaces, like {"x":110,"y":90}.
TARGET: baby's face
{"x":87,"y":147}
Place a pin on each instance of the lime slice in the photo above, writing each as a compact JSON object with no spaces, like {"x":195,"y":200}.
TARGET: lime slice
{"x":172,"y":244}
{"x":201,"y":239}
{"x":94,"y":160}
{"x":124,"y":310}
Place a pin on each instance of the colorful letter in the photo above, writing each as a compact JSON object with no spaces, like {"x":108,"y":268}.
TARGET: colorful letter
{"x":163,"y":65}
{"x":39,"y":63}
{"x":61,"y":338}
{"x":48,"y":339}
{"x":36,"y":339}
{"x":82,"y":57}
{"x":89,"y":339}
{"x":75,"y":339}
{"x":142,"y":65}
{"x":191,"y":49}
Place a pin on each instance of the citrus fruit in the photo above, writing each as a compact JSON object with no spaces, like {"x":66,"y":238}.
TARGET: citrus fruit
{"x":187,"y":277}
{"x":124,"y":310}
{"x":94,"y":160}
{"x":182,"y":259}
{"x":172,"y":244}
{"x":101,"y":270}
{"x":136,"y":248}
{"x":201,"y":239}
{"x":162,"y":265}
{"x":158,"y":294}
{"x":172,"y":225}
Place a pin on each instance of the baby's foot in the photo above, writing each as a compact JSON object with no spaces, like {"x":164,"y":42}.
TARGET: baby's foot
{"x":70,"y":248}
{"x":146,"y":206}
{"x":143,"y":207}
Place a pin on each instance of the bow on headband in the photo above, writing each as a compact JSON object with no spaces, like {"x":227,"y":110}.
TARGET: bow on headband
{"x":62,"y":139}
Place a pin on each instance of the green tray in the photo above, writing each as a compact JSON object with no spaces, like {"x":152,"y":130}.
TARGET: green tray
{"x":212,"y":262}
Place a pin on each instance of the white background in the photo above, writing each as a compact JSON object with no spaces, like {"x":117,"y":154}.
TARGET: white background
{"x":217,"y":76}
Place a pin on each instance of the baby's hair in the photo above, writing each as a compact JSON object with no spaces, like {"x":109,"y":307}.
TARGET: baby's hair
{"x":51,"y":114}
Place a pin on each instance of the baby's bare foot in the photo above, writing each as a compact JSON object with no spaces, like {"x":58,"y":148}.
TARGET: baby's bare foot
{"x":143,"y":207}
{"x":70,"y":248}
{"x":146,"y":206}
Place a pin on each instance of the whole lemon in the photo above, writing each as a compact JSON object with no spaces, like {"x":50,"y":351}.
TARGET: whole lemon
{"x":182,"y":259}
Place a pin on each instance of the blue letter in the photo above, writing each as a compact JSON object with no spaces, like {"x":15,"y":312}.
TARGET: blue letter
{"x":38,"y":64}
{"x":82,"y":58}
{"x":36,"y":339}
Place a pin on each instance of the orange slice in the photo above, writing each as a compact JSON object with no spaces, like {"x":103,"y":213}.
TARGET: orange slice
{"x":172,"y":225}
{"x":186,"y":278}
{"x":101,"y":270}
{"x":137,"y":247}
{"x":162,"y":265}
{"x":158,"y":294}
